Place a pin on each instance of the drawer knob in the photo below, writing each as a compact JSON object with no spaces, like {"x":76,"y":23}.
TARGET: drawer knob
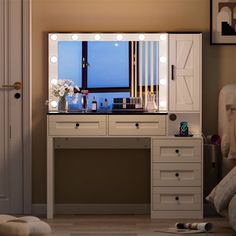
{"x":137,"y":125}
{"x":77,"y":125}
{"x":177,"y":174}
{"x":177,"y":198}
{"x":177,"y":150}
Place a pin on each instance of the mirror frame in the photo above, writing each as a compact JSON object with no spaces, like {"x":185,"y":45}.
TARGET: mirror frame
{"x":162,"y":38}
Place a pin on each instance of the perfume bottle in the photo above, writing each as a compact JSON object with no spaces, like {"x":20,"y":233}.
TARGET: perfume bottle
{"x":84,"y":100}
{"x":94,"y":104}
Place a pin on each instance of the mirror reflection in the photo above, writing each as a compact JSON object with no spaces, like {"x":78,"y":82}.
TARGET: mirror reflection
{"x":109,"y":68}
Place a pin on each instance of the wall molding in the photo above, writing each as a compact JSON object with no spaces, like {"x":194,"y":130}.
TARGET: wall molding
{"x":27,"y":106}
{"x":69,"y":209}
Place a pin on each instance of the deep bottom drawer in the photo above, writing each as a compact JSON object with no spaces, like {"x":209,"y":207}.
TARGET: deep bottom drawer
{"x":176,"y":198}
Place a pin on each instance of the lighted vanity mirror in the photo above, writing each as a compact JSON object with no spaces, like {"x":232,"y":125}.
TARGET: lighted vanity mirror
{"x":110,"y":65}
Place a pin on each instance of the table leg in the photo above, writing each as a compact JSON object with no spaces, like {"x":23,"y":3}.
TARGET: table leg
{"x":50,"y":178}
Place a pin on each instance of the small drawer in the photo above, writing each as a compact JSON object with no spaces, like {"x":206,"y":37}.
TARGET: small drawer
{"x":77,"y":125}
{"x":176,"y":174}
{"x":176,"y":198}
{"x":176,"y":150}
{"x":140,"y":125}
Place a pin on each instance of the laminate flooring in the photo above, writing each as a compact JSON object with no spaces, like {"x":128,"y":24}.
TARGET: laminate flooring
{"x":126,"y":225}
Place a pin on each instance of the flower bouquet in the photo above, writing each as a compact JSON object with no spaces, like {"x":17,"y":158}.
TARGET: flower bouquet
{"x":61,"y":89}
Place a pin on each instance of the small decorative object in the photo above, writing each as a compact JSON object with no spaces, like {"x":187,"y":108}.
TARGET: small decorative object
{"x":223,"y":22}
{"x":94,"y":104}
{"x":151,"y":102}
{"x":62,"y":104}
{"x":61,"y":89}
{"x":183,"y":128}
{"x":101,"y":103}
{"x":84,"y":100}
{"x":106,"y":103}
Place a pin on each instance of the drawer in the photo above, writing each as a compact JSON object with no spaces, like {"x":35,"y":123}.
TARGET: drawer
{"x":181,"y":150}
{"x":79,"y":125}
{"x":176,"y":198}
{"x":140,"y":125}
{"x":176,"y":174}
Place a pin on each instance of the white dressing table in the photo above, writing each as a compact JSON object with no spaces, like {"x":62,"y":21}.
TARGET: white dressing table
{"x":176,"y":162}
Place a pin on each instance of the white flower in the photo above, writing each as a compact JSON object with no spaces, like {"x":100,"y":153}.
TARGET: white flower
{"x":63,"y":88}
{"x":70,"y":90}
{"x":62,"y":91}
{"x":77,"y":88}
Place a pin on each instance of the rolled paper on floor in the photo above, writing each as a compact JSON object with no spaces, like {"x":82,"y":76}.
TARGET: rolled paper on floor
{"x":205,"y":227}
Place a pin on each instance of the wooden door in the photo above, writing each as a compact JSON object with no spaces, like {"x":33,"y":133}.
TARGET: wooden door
{"x":11,"y":194}
{"x":185,"y":72}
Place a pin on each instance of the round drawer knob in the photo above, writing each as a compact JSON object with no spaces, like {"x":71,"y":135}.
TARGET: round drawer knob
{"x":137,"y":125}
{"x":177,"y":198}
{"x":177,"y":174}
{"x":177,"y":150}
{"x":77,"y":125}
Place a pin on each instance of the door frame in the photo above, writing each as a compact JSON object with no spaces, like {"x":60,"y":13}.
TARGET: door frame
{"x":27,"y":105}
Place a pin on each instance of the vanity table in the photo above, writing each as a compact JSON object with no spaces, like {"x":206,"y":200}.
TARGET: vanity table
{"x":176,"y":162}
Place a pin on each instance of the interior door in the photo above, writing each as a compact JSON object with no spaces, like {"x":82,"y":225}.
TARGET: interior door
{"x":11,"y":160}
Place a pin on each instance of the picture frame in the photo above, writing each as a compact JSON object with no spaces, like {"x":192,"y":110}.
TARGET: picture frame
{"x":222,"y":22}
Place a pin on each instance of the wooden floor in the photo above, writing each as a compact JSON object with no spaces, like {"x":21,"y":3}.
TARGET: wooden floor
{"x":127,"y":225}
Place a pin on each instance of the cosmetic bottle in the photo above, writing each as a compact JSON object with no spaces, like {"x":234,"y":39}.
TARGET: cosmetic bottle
{"x":94,"y":104}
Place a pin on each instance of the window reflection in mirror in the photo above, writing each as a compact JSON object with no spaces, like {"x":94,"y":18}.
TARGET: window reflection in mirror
{"x":110,"y":66}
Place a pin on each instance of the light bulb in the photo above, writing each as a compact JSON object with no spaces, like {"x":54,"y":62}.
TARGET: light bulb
{"x":53,"y":81}
{"x":74,"y":37}
{"x":163,"y":81}
{"x":119,"y":37}
{"x":163,"y":59}
{"x":54,"y":104}
{"x":162,"y":103}
{"x":53,"y":37}
{"x":97,"y":37}
{"x":53,"y":59}
{"x":163,"y":37}
{"x":141,"y":37}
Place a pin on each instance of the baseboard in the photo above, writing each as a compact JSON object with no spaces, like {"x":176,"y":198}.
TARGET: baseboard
{"x":65,"y":209}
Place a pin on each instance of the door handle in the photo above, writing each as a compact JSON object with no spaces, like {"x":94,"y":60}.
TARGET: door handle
{"x":16,"y":86}
{"x":172,"y":72}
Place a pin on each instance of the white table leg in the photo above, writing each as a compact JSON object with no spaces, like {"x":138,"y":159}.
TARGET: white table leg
{"x":50,"y":178}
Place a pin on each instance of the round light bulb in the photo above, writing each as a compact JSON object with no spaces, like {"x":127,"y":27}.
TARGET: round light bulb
{"x":53,"y":59}
{"x":54,"y":81}
{"x":163,"y":81}
{"x":97,"y":37}
{"x":163,"y":59}
{"x":141,"y":37}
{"x":54,"y":104}
{"x":163,"y":37}
{"x":119,"y":37}
{"x":53,"y":37}
{"x":75,"y":37}
{"x":162,"y":103}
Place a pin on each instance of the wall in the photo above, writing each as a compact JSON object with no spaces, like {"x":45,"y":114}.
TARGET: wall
{"x":121,"y":16}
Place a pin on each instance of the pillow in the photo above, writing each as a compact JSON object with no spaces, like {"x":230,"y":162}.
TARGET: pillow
{"x":23,"y":226}
{"x":222,"y":194}
{"x":232,"y":212}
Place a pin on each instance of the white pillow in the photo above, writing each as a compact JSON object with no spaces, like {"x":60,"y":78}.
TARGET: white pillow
{"x":222,"y":194}
{"x":23,"y":226}
{"x":232,"y":212}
